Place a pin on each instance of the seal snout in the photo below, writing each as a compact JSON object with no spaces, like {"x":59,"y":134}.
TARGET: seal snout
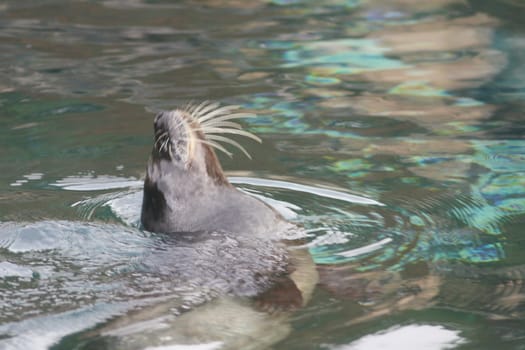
{"x":180,"y":132}
{"x":171,"y":135}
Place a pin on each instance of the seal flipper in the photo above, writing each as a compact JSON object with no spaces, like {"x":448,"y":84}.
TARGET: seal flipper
{"x":294,"y":289}
{"x":284,"y":295}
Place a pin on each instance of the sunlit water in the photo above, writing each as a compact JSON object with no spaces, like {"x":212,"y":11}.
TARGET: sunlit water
{"x":392,"y":135}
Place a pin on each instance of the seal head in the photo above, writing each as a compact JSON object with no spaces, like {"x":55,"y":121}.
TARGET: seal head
{"x":185,"y":189}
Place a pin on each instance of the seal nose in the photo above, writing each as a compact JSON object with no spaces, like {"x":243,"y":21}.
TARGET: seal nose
{"x":171,"y":140}
{"x":162,"y":144}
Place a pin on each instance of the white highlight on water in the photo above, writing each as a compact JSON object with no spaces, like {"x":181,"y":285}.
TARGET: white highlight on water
{"x":208,"y":346}
{"x":319,"y":191}
{"x":96,"y":183}
{"x":420,"y":337}
{"x":366,"y":249}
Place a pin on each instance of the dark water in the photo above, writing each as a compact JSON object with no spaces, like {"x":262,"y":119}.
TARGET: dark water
{"x":393,"y":133}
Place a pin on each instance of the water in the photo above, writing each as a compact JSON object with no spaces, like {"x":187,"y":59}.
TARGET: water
{"x":392,"y":132}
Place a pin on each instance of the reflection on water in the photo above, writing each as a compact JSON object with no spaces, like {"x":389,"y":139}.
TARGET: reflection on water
{"x":392,"y":136}
{"x":417,"y":336}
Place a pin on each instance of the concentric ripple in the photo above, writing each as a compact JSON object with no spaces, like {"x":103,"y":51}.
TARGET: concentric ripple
{"x":62,"y":266}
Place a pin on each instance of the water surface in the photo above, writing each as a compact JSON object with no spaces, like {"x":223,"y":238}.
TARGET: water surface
{"x":392,"y":133}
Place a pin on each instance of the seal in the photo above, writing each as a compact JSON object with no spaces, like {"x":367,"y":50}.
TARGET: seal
{"x":185,"y":189}
{"x":236,"y":277}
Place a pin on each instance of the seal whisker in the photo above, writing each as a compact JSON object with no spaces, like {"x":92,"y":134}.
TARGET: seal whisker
{"x":216,"y":145}
{"x":222,"y":125}
{"x":161,"y":135}
{"x":193,"y":108}
{"x":204,"y":108}
{"x":165,"y":144}
{"x":231,"y":142}
{"x":189,"y":107}
{"x":214,"y":130}
{"x":160,"y":138}
{"x":228,"y":117}
{"x":214,"y":113}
